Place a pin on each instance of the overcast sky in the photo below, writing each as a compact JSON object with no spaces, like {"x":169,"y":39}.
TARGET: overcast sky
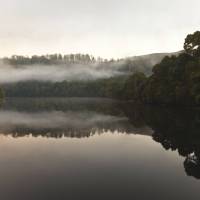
{"x":106,"y":28}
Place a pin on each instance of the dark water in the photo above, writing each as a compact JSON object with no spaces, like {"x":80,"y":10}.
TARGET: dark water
{"x":55,"y":149}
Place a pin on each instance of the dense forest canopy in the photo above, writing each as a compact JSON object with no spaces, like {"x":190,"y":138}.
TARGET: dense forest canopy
{"x":176,"y":80}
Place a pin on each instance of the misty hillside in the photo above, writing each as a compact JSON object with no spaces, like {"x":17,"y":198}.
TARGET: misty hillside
{"x":144,"y":63}
{"x":73,"y":67}
{"x":151,"y":59}
{"x":74,"y":75}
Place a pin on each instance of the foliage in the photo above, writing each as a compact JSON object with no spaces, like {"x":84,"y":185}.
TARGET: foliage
{"x":111,"y":87}
{"x":176,"y":79}
{"x":192,"y":44}
{"x":133,"y":87}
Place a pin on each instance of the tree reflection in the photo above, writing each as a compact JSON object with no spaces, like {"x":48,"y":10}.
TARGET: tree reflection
{"x":175,"y":129}
{"x":64,"y":117}
{"x":192,"y":165}
{"x":178,"y":129}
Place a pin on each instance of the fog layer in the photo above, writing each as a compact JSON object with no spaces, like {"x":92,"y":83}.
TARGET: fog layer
{"x":53,"y":73}
{"x":55,"y":119}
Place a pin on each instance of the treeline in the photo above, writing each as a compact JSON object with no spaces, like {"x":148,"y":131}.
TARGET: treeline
{"x":111,"y":88}
{"x":133,"y":64}
{"x":50,"y":59}
{"x":120,"y":87}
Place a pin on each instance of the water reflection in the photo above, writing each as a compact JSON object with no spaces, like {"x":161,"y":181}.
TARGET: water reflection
{"x":174,"y":129}
{"x":57,"y":117}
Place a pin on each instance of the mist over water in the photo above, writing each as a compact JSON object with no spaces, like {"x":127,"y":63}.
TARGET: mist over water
{"x":64,"y":117}
{"x":56,"y":119}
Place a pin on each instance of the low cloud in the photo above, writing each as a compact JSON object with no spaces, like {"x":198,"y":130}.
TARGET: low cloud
{"x":56,"y":73}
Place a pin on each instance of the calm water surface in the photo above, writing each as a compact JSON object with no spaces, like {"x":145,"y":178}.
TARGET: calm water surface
{"x":54,"y":149}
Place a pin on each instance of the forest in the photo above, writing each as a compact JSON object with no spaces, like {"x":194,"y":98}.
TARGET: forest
{"x":174,"y":80}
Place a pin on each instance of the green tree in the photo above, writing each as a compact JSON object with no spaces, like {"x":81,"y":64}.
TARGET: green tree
{"x":192,"y":44}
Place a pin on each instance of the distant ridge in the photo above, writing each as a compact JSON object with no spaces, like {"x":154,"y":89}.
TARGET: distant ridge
{"x":145,"y":63}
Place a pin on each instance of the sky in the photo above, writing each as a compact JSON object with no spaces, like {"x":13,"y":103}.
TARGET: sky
{"x":105,"y":28}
